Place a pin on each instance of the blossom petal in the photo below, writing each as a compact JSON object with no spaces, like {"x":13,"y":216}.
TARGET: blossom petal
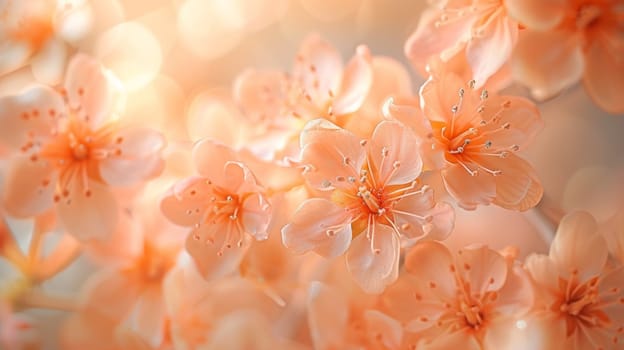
{"x":47,"y":66}
{"x":91,"y":90}
{"x":91,"y":216}
{"x":210,"y":158}
{"x":392,"y":151}
{"x":455,"y":340}
{"x":468,"y":190}
{"x":184,"y":203}
{"x":516,"y":296}
{"x":328,"y":315}
{"x":557,"y":65}
{"x":206,"y":245}
{"x":139,"y":160}
{"x":260,"y":93}
{"x":488,"y":52}
{"x":356,"y":83}
{"x":484,"y":269}
{"x":319,"y":69}
{"x":537,"y":14}
{"x":390,"y":329}
{"x":544,"y":273}
{"x":432,"y":263}
{"x":577,"y":246}
{"x":604,"y":74}
{"x":374,"y":270}
{"x":330,"y":153}
{"x":256,"y":216}
{"x":523,"y":119}
{"x":429,"y":219}
{"x":149,"y":316}
{"x":24,"y":193}
{"x":28,"y":115}
{"x":310,"y":225}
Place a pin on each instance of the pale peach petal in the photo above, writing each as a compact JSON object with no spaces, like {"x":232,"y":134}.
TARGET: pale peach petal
{"x":256,"y":216}
{"x":390,"y":79}
{"x":392,"y":153}
{"x":439,"y":94}
{"x":537,"y":14}
{"x":518,"y":187}
{"x":149,"y":316}
{"x":542,"y":270}
{"x":330,"y":152}
{"x":139,"y":160}
{"x":488,"y":52}
{"x":260,"y":94}
{"x":522,"y":115}
{"x":210,"y":157}
{"x":48,"y":65}
{"x":328,"y":315}
{"x":374,"y":270}
{"x":468,"y":190}
{"x":319,"y":68}
{"x":24,"y":193}
{"x":243,"y":330}
{"x":111,"y":293}
{"x":433,"y":220}
{"x":205,"y":244}
{"x":421,"y":260}
{"x":547,"y":62}
{"x":184,"y":203}
{"x":91,"y":91}
{"x":28,"y":114}
{"x":604,"y":74}
{"x":516,"y":296}
{"x":577,"y":246}
{"x":238,"y":179}
{"x":310,"y":226}
{"x":484,"y":269}
{"x":92,"y":216}
{"x":430,"y":39}
{"x":455,"y":340}
{"x":613,"y":233}
{"x":614,"y":308}
{"x":390,"y":329}
{"x":356,"y":83}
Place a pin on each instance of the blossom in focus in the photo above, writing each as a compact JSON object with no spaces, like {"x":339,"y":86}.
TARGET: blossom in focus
{"x":468,"y":300}
{"x":567,"y":41}
{"x":370,"y":196}
{"x":224,"y":206}
{"x":472,"y":136}
{"x":580,"y":298}
{"x":68,"y":150}
{"x":318,"y":86}
{"x":480,"y":30}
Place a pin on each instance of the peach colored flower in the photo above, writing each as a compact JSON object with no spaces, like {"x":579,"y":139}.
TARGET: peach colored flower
{"x":567,"y":41}
{"x":340,"y":321}
{"x":580,"y":299}
{"x":370,"y":197}
{"x":467,"y":300}
{"x":472,"y":136}
{"x":613,"y":233}
{"x":480,"y":29}
{"x":37,"y":32}
{"x":318,"y":86}
{"x":70,"y":151}
{"x":225,"y":206}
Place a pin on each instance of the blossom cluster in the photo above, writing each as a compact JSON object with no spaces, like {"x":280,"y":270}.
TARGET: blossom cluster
{"x":306,"y":209}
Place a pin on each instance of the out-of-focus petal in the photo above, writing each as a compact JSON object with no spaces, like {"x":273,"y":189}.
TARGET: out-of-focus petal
{"x":390,"y":329}
{"x":319,"y":68}
{"x":468,"y":190}
{"x":433,"y":265}
{"x":92,"y":216}
{"x":149,"y":316}
{"x":319,"y":225}
{"x":392,"y":153}
{"x":484,"y":269}
{"x":356,"y":83}
{"x":577,"y":246}
{"x":604,"y":74}
{"x":29,"y":114}
{"x":205,"y":244}
{"x":328,"y":315}
{"x":24,"y":193}
{"x":48,"y":65}
{"x":537,"y":14}
{"x":261,"y":94}
{"x":516,"y":297}
{"x":544,"y":272}
{"x":91,"y":90}
{"x":139,"y":160}
{"x":210,"y":158}
{"x":430,"y":219}
{"x":256,"y":216}
{"x":547,"y":62}
{"x":374,"y":264}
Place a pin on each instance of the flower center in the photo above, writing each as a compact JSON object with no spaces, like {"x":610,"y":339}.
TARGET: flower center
{"x":472,"y":314}
{"x":80,"y":151}
{"x":371,"y":200}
